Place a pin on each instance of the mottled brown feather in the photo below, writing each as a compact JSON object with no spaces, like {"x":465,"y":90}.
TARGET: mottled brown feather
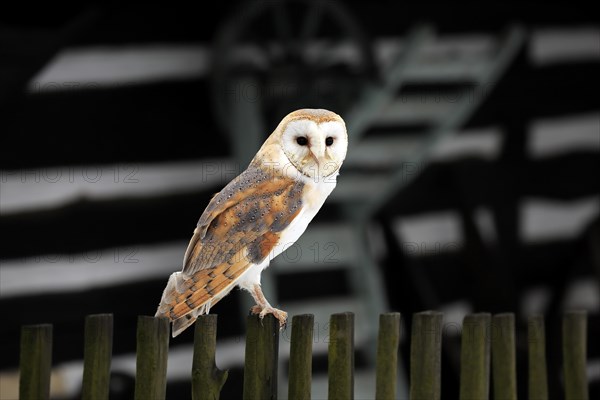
{"x":207,"y":288}
{"x":239,"y":228}
{"x":253,"y":204}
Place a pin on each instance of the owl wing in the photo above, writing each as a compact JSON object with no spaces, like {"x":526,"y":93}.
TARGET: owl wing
{"x":238,"y":229}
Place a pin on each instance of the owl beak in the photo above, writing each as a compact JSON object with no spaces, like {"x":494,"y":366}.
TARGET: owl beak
{"x":317,"y":151}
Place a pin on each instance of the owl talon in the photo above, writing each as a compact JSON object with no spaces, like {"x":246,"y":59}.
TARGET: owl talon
{"x":255,"y":310}
{"x":279,"y":314}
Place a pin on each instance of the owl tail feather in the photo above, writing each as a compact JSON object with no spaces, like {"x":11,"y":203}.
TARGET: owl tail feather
{"x":180,"y":324}
{"x":178,"y":287}
{"x":186,"y":297}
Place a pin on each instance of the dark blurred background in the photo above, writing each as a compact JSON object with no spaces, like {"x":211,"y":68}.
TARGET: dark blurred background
{"x":471,"y":182}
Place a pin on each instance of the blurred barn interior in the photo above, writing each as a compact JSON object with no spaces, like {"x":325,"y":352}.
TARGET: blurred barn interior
{"x":471,"y":182}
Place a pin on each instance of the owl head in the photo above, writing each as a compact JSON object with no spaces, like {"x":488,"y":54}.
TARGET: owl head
{"x":314,"y":143}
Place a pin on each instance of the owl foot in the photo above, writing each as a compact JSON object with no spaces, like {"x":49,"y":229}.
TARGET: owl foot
{"x":279,"y":314}
{"x":263,"y":307}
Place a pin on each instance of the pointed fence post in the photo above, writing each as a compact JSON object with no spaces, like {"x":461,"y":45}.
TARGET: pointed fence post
{"x":151,"y":362}
{"x":388,"y":341}
{"x":475,"y":357}
{"x":574,"y":333}
{"x":425,"y":356}
{"x":301,"y":357}
{"x":35,"y":362}
{"x":341,"y":356}
{"x":260,"y":365}
{"x":503,"y":357}
{"x":97,"y":355}
{"x":207,"y":379}
{"x":538,"y":375}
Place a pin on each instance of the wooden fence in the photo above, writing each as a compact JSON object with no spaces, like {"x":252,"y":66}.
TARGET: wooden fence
{"x":487,"y":347}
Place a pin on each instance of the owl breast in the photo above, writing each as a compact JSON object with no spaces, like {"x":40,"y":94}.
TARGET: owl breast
{"x":313,"y":197}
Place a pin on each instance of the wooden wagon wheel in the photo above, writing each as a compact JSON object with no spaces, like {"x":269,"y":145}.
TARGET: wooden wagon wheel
{"x":276,"y":56}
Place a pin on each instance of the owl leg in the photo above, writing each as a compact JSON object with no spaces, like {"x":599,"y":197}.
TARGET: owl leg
{"x":263,"y":307}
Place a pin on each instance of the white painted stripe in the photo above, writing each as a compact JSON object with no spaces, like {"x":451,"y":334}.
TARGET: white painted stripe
{"x":62,"y":384}
{"x":454,"y":314}
{"x":93,"y":67}
{"x":565,"y":44}
{"x":392,"y":151}
{"x":421,"y":108}
{"x":555,"y":136}
{"x":535,"y":300}
{"x":92,"y":269}
{"x":429,"y":234}
{"x":448,"y":58}
{"x":40,"y":188}
{"x":355,"y":186}
{"x":593,"y":370}
{"x":30,"y":189}
{"x":541,"y":220}
{"x":583,"y":294}
{"x":382,"y":151}
{"x":484,"y":220}
{"x":451,"y":57}
{"x":544,"y":220}
{"x":324,"y":246}
{"x":481,"y":143}
{"x":418,"y":235}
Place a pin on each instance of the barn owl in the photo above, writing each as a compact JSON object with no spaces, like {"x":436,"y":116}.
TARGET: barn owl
{"x":257,"y":215}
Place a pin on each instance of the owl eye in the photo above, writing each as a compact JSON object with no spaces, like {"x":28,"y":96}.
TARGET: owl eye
{"x":302,"y":141}
{"x":329,"y":141}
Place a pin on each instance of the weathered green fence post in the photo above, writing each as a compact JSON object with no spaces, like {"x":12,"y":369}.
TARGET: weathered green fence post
{"x":503,"y":357}
{"x":574,"y":333}
{"x":207,"y":379}
{"x":97,"y":354}
{"x":475,"y":357}
{"x":301,"y":357}
{"x":388,"y":341}
{"x":151,"y":362}
{"x":341,"y":356}
{"x":425,"y":356}
{"x":35,"y":362}
{"x":538,"y":375}
{"x":260,"y":365}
